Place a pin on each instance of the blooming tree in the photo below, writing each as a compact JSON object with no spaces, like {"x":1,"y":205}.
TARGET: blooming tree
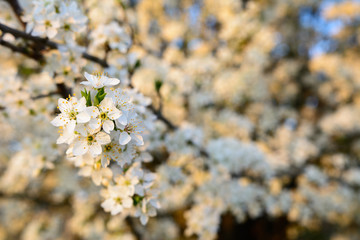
{"x":162,"y":119}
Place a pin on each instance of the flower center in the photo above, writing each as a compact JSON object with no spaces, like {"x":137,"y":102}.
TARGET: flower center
{"x":67,"y":27}
{"x":47,"y":23}
{"x":118,"y":200}
{"x":129,"y":128}
{"x":90,"y":138}
{"x":72,"y":115}
{"x":103,"y":116}
{"x":108,"y":147}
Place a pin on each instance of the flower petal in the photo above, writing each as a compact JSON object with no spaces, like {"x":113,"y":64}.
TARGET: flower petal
{"x":114,"y":114}
{"x":81,"y":105}
{"x":80,"y":148}
{"x":64,"y":105}
{"x":103,"y":138}
{"x":96,"y":177}
{"x":95,"y":123}
{"x":58,"y":121}
{"x":127,"y":202}
{"x":123,"y":119}
{"x":144,"y":219}
{"x":82,"y":117}
{"x":124,"y":138}
{"x":104,"y":161}
{"x":95,"y":149}
{"x":138,"y":139}
{"x":107,"y":204}
{"x":110,"y":81}
{"x":92,"y":111}
{"x":108,"y":126}
{"x":106,"y":103}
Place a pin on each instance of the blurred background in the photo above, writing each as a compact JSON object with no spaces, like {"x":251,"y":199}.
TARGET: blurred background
{"x":282,"y":76}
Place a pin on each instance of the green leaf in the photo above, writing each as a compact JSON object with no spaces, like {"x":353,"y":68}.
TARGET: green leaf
{"x":87,"y":96}
{"x":158,"y":84}
{"x":99,"y":96}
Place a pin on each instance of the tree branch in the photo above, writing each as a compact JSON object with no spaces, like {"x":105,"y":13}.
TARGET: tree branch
{"x":42,"y":43}
{"x":17,"y":10}
{"x":23,"y":50}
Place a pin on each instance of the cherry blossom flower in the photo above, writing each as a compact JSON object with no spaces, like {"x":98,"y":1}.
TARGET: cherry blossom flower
{"x":72,"y":110}
{"x":99,"y":81}
{"x":90,"y":140}
{"x":108,"y":112}
{"x":118,"y":198}
{"x":131,"y":130}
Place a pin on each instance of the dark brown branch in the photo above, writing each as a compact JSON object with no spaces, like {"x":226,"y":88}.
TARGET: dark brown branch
{"x":17,"y":10}
{"x":162,"y":118}
{"x":97,"y":60}
{"x":45,"y":95}
{"x":23,"y":50}
{"x":20,"y":34}
{"x":41,"y":43}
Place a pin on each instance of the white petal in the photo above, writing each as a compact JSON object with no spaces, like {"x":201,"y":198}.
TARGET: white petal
{"x":85,"y":171}
{"x":80,"y":128}
{"x":149,"y":177}
{"x":80,"y":148}
{"x":58,"y":121}
{"x":107,"y":204}
{"x":127,"y":202}
{"x":82,"y":117}
{"x":116,"y":209}
{"x":95,"y":123}
{"x":114,"y":114}
{"x":92,"y":111}
{"x":63,"y":105}
{"x":146,"y":157}
{"x":81,"y":105}
{"x":103,"y":138}
{"x":144,"y":219}
{"x":110,"y":81}
{"x":124,"y":138}
{"x":104,"y":161}
{"x":96,"y":177}
{"x":106,"y":103}
{"x":122,"y":119}
{"x":51,"y":32}
{"x":108,"y":126}
{"x":120,"y":125}
{"x":61,"y":140}
{"x":86,"y":83}
{"x":95,"y":149}
{"x":138,"y":139}
{"x":89,"y":77}
{"x":139,"y":190}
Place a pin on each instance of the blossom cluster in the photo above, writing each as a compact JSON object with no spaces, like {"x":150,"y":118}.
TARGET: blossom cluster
{"x":103,"y":128}
{"x":55,"y":19}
